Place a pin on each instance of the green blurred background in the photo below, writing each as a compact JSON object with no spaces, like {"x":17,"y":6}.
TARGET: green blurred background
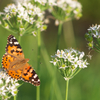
{"x":86,"y":84}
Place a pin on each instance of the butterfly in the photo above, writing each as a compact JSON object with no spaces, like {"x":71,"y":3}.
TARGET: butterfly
{"x":16,"y":65}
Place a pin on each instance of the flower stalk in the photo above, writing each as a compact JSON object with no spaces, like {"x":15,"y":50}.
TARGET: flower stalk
{"x":15,"y":97}
{"x":67,"y":82}
{"x":38,"y":93}
{"x":38,"y":64}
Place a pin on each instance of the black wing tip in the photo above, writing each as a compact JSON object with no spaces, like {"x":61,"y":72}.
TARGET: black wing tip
{"x":10,"y":36}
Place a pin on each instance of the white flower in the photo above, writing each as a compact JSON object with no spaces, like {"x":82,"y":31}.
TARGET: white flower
{"x":81,"y":55}
{"x":42,"y":27}
{"x":6,"y":25}
{"x":1,"y":81}
{"x":54,"y":61}
{"x":10,"y":9}
{"x":3,"y":91}
{"x":12,"y":89}
{"x":23,"y":15}
{"x":60,"y":54}
{"x":20,"y":8}
{"x":34,"y":33}
{"x":2,"y":13}
{"x":75,"y":62}
{"x":38,"y":25}
{"x":28,"y":5}
{"x":46,"y":21}
{"x":56,"y":22}
{"x":8,"y":80}
{"x":52,"y":2}
{"x":38,"y":11}
{"x":89,"y":56}
{"x":21,"y":29}
{"x":69,"y":56}
{"x":43,"y":2}
{"x":83,"y":64}
{"x":31,"y":12}
{"x":7,"y":16}
{"x":63,"y":67}
{"x":31,"y":20}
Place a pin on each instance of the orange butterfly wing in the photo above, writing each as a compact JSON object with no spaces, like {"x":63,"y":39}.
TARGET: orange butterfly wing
{"x":16,"y":65}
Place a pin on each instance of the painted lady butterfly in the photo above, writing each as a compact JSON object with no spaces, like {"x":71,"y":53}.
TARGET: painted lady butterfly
{"x":16,"y":65}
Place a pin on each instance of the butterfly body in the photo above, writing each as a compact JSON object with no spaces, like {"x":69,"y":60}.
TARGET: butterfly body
{"x":16,"y":65}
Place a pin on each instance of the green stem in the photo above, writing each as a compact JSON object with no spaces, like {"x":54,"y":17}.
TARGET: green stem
{"x":10,"y":23}
{"x":67,"y":82}
{"x":38,"y":64}
{"x":75,"y":72}
{"x":59,"y":34}
{"x":15,"y":97}
{"x":8,"y":29}
{"x":38,"y":93}
{"x":96,"y":50}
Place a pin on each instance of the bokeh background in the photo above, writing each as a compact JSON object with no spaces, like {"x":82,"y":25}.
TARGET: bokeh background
{"x":86,"y":84}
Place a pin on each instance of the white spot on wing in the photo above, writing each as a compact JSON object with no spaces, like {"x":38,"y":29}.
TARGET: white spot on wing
{"x":35,"y":76}
{"x":10,"y":42}
{"x":38,"y":80}
{"x":14,"y":38}
{"x":16,"y":43}
{"x":32,"y":79}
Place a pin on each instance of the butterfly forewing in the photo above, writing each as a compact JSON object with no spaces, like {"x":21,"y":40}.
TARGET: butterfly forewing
{"x":13,"y":47}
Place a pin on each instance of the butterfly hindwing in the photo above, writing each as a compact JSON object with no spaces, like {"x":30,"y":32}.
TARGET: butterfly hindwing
{"x":29,"y":75}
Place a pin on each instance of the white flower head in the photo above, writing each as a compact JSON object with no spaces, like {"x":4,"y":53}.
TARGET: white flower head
{"x":95,"y":31}
{"x":23,"y":18}
{"x":9,"y":85}
{"x":69,"y":61}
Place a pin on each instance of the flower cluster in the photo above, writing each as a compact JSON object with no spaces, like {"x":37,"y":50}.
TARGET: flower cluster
{"x":93,"y":37}
{"x":8,"y":86}
{"x":69,"y":62}
{"x":23,"y":18}
{"x":63,"y":9}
